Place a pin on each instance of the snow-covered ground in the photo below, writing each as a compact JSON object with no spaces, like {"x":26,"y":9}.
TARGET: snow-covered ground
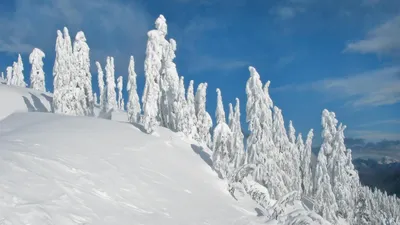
{"x":60,"y":170}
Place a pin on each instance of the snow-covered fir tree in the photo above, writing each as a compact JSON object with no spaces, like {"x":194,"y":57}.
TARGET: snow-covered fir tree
{"x":102,"y":89}
{"x":230,"y":115}
{"x":169,"y":84}
{"x":191,"y":112}
{"x":17,"y":78}
{"x":153,"y":66}
{"x":261,"y":151}
{"x":2,"y":76}
{"x":111,"y":96}
{"x":204,"y":122}
{"x":222,"y":140}
{"x":305,"y":163}
{"x":238,"y":153}
{"x":325,"y":201}
{"x":120,"y":85}
{"x":37,"y":77}
{"x":82,"y":75}
{"x":180,"y":109}
{"x":295,"y":159}
{"x":9,"y":75}
{"x":59,"y":74}
{"x":133,"y":106}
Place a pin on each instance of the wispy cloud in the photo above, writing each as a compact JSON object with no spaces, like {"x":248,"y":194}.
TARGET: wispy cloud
{"x":207,"y":63}
{"x":286,"y":12}
{"x":285,"y":60}
{"x":383,"y":39}
{"x":374,"y":88}
{"x":380,"y":122}
{"x":112,"y":27}
{"x":373,"y":135}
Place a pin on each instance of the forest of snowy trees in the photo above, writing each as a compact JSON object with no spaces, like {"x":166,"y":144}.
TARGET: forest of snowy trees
{"x":275,"y":166}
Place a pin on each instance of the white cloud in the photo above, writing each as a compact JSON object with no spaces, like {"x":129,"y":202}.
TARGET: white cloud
{"x":373,"y":135}
{"x":111,"y":27}
{"x":395,"y":122}
{"x":380,"y":40}
{"x":286,"y":12}
{"x":373,"y":88}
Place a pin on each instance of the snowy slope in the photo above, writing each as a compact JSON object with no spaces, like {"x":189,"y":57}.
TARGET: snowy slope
{"x":74,"y":170}
{"x":18,"y":99}
{"x":58,"y":169}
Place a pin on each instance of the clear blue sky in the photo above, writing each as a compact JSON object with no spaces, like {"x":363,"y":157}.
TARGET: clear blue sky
{"x":336,"y":54}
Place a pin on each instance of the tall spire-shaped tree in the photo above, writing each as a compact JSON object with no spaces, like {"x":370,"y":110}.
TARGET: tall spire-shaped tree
{"x":191,"y":111}
{"x":120,"y":85}
{"x":153,"y":67}
{"x":102,"y":89}
{"x":82,"y":75}
{"x":9,"y":75}
{"x":222,"y":140}
{"x":133,"y":105}
{"x":238,"y":154}
{"x":37,"y":73}
{"x":110,"y":79}
{"x":180,"y":109}
{"x":305,"y":163}
{"x":204,"y":122}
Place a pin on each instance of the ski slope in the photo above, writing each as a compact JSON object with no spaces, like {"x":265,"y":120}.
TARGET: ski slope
{"x":64,"y":170}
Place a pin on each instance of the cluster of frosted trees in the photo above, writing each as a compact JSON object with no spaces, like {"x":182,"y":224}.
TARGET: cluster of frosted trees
{"x":275,"y":167}
{"x":15,"y":73}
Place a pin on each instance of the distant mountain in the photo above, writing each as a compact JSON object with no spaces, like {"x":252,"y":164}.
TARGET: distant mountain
{"x":381,"y":174}
{"x":378,"y":164}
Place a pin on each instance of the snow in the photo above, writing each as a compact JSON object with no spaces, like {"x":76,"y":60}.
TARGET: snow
{"x":19,"y":99}
{"x":58,"y":169}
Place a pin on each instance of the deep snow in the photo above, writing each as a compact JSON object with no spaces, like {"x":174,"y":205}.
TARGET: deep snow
{"x":57,"y":169}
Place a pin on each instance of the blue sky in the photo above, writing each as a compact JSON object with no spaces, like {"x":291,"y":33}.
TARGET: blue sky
{"x":336,"y":54}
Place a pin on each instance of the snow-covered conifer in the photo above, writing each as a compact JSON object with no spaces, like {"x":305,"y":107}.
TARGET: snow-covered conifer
{"x":180,"y":109}
{"x":102,"y":89}
{"x":222,"y":140}
{"x":204,"y":122}
{"x":238,"y":153}
{"x":37,"y":73}
{"x":82,"y":75}
{"x":59,"y":74}
{"x":230,"y":115}
{"x":119,"y":87}
{"x":95,"y":98}
{"x":292,"y":133}
{"x":169,"y":84}
{"x":2,"y":75}
{"x":111,"y":102}
{"x":9,"y":75}
{"x":191,"y":112}
{"x":17,"y":78}
{"x":133,"y":105}
{"x":153,"y":66}
{"x":325,"y":201}
{"x":305,"y":164}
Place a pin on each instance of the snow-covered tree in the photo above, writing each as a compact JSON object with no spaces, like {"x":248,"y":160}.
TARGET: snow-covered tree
{"x":17,"y":78}
{"x":204,"y":122}
{"x":2,"y":75}
{"x":261,"y":151}
{"x":305,"y":163}
{"x":95,"y":98}
{"x":191,"y":112}
{"x":111,"y":102}
{"x":102,"y":89}
{"x":82,"y":75}
{"x":238,"y":153}
{"x":153,"y":67}
{"x":255,"y":108}
{"x":59,"y":74}
{"x":180,"y":109}
{"x":222,"y":140}
{"x":295,"y":148}
{"x":133,"y":105}
{"x":325,"y":201}
{"x":169,"y":84}
{"x":120,"y":85}
{"x":230,"y":115}
{"x":37,"y":73}
{"x":9,"y":73}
